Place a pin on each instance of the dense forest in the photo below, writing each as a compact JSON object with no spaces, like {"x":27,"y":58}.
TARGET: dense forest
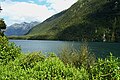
{"x":90,"y":20}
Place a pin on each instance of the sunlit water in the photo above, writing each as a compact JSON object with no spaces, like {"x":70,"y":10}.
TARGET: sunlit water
{"x":100,"y":49}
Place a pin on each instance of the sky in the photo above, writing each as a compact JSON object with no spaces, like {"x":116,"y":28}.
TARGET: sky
{"x":17,"y":11}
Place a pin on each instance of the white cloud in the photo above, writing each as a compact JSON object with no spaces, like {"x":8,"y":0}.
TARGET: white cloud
{"x":60,"y":5}
{"x":23,"y":11}
{"x":30,"y":1}
{"x":41,"y":0}
{"x":16,"y":12}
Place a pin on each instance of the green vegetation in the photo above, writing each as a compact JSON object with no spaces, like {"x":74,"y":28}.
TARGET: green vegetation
{"x":18,"y":37}
{"x":2,"y":26}
{"x":8,"y":51}
{"x":70,"y":65}
{"x":91,"y":20}
{"x":78,"y":58}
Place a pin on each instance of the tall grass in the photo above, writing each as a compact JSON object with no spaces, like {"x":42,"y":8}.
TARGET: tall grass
{"x":78,"y":58}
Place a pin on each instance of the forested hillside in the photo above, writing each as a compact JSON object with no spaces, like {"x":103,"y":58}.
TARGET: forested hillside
{"x":90,"y":20}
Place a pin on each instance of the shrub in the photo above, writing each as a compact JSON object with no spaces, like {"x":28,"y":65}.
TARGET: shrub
{"x":54,"y":69}
{"x":11,"y":71}
{"x":106,"y":69}
{"x":78,"y":58}
{"x":8,"y":51}
{"x":30,"y":60}
{"x":80,"y":65}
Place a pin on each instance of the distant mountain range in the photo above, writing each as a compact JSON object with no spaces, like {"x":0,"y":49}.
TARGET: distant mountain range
{"x":90,"y":20}
{"x":19,"y":29}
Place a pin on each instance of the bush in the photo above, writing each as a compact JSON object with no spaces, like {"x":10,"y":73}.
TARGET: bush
{"x":12,"y":71}
{"x":30,"y":60}
{"x":72,"y":65}
{"x":54,"y":69}
{"x":8,"y":51}
{"x":78,"y":58}
{"x":106,"y":69}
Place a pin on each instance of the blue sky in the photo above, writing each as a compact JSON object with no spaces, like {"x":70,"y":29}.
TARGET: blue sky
{"x":17,"y":11}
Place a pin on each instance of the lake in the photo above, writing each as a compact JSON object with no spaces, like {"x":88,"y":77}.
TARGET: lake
{"x":100,"y":49}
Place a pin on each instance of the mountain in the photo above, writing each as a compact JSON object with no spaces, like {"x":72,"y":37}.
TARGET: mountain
{"x":90,"y":20}
{"x":19,"y":29}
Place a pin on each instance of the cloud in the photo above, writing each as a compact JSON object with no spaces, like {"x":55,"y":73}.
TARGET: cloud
{"x":17,"y":12}
{"x":24,"y":11}
{"x":41,"y":0}
{"x":60,"y":5}
{"x":30,"y":1}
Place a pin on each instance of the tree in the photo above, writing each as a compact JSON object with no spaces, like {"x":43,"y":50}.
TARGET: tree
{"x":2,"y":24}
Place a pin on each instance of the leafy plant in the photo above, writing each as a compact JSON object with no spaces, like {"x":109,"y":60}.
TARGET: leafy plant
{"x":53,"y":68}
{"x":30,"y":60}
{"x":106,"y":69}
{"x":2,"y":24}
{"x":8,"y":51}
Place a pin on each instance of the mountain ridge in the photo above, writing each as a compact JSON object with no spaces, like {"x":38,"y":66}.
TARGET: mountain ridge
{"x":91,"y":20}
{"x":19,"y":29}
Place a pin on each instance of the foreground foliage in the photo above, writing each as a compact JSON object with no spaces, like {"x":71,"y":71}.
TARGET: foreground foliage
{"x":106,"y":69}
{"x":8,"y":51}
{"x":36,"y":66}
{"x":78,"y":58}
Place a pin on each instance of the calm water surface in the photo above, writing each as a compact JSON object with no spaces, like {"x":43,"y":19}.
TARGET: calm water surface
{"x":99,"y":48}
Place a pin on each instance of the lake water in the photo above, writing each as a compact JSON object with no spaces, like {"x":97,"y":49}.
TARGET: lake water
{"x":100,"y":49}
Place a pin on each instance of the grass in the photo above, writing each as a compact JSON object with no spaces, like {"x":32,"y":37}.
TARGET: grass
{"x":18,"y":37}
{"x":78,"y":58}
